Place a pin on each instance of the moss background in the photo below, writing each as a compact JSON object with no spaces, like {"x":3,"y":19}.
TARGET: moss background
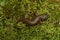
{"x":10,"y":10}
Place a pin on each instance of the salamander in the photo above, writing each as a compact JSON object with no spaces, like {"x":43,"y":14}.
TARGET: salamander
{"x":37,"y":19}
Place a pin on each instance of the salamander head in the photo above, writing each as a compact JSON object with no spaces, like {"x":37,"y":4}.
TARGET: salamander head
{"x":44,"y":17}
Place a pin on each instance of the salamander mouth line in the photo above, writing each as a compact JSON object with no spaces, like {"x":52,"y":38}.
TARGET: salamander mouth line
{"x":42,"y":17}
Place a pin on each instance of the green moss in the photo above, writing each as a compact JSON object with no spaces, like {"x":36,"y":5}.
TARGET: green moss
{"x":10,"y":10}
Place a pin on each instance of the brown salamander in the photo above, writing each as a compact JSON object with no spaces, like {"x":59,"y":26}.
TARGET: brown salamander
{"x":40,"y":18}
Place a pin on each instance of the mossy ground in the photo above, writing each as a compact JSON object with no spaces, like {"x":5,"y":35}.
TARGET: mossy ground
{"x":13,"y":9}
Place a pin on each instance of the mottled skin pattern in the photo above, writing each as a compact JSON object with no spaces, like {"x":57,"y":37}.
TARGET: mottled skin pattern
{"x":39,"y":18}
